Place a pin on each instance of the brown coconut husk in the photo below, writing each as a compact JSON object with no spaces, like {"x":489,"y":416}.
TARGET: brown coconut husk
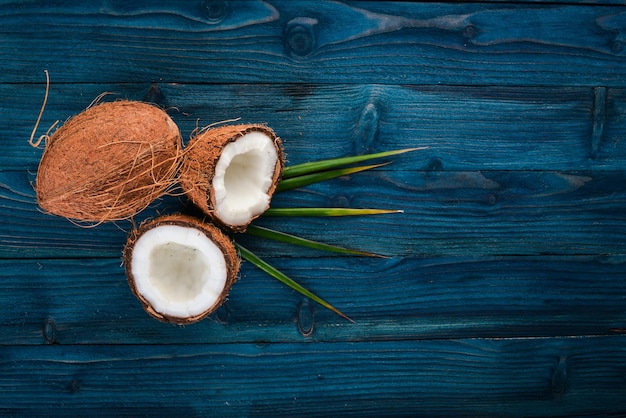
{"x":200,"y":159}
{"x":213,"y":233}
{"x":109,"y":162}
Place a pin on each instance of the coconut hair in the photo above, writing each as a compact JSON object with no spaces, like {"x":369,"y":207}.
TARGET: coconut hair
{"x":221,"y":240}
{"x":200,"y":159}
{"x":109,"y":162}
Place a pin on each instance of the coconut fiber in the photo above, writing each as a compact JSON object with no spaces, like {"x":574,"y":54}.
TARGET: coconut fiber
{"x":221,"y":240}
{"x":109,"y":162}
{"x":200,"y":159}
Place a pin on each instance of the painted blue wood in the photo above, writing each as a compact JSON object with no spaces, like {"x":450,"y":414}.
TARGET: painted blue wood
{"x":445,"y":214}
{"x":466,"y":128}
{"x":87,"y":301}
{"x":315,"y":42}
{"x":504,"y":291}
{"x":513,"y":378}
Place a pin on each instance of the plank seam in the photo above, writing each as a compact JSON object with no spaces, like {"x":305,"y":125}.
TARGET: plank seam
{"x":599,"y":119}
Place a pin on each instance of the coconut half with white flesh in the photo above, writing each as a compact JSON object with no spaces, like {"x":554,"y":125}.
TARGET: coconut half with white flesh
{"x":231,"y":172}
{"x":180,"y":268}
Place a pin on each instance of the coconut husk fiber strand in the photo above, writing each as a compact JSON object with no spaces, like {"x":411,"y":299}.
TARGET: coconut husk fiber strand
{"x":200,"y":159}
{"x":109,"y":162}
{"x":221,"y":240}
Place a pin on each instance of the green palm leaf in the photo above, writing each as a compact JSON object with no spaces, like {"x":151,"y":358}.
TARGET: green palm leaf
{"x":306,"y":179}
{"x":277,"y":274}
{"x":301,"y":175}
{"x":268,"y":233}
{"x":326,"y":212}
{"x":322,"y":165}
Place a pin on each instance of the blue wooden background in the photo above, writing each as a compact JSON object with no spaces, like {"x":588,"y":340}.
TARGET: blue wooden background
{"x":504,"y":293}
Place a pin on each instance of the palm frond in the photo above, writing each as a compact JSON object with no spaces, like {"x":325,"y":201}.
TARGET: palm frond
{"x":277,"y":274}
{"x":306,"y":179}
{"x":272,"y":234}
{"x":329,"y":164}
{"x":326,"y":212}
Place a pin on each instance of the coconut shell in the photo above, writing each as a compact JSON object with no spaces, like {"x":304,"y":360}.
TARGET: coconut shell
{"x":200,"y":159}
{"x":213,"y":233}
{"x":109,"y":162}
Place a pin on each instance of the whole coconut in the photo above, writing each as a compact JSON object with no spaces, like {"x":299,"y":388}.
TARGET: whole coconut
{"x":109,"y":162}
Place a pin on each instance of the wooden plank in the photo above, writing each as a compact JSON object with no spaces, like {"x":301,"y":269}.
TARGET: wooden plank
{"x":321,"y":42}
{"x":474,"y":213}
{"x":504,"y":292}
{"x":466,"y":128}
{"x":445,"y":214}
{"x":570,"y":2}
{"x":614,"y":124}
{"x":87,"y":301}
{"x":526,"y":377}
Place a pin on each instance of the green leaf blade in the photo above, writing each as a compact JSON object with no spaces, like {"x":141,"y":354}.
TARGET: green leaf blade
{"x":329,"y":164}
{"x":277,"y":274}
{"x":306,"y":179}
{"x":331,"y":212}
{"x":268,"y":233}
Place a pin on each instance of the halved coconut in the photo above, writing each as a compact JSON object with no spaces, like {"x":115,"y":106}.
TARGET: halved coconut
{"x":180,"y":268}
{"x":109,"y":162}
{"x":231,"y":172}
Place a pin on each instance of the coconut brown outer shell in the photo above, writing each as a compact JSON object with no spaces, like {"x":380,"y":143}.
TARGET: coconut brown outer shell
{"x":109,"y":162}
{"x":213,"y":233}
{"x":200,"y":159}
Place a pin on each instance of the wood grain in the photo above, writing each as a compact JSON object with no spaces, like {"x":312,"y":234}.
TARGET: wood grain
{"x":528,"y":377}
{"x":87,"y":301}
{"x":503,"y":294}
{"x":287,"y":41}
{"x":466,"y":128}
{"x":445,"y":214}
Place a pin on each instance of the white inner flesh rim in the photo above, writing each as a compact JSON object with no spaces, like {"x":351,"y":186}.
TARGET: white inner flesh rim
{"x":243,"y":176}
{"x":178,"y":270}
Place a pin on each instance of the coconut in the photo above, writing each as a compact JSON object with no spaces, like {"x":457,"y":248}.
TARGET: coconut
{"x":180,"y":268}
{"x":231,"y":172}
{"x":109,"y":162}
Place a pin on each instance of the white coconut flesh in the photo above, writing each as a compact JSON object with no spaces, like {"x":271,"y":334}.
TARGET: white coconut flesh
{"x":178,"y":270}
{"x":243,"y":177}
